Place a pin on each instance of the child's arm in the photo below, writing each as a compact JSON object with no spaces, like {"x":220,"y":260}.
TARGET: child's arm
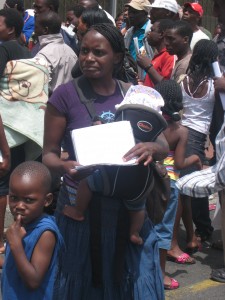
{"x":4,"y":148}
{"x":180,"y":161}
{"x":32,"y":272}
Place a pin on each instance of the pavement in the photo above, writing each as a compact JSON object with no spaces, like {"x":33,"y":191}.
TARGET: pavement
{"x":195,"y":282}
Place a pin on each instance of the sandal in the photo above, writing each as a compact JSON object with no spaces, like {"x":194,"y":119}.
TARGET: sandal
{"x":174,"y":284}
{"x":184,"y":258}
{"x":218,"y":275}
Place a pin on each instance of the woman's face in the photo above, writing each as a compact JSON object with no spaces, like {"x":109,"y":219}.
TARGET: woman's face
{"x":81,"y":29}
{"x":97,"y":58}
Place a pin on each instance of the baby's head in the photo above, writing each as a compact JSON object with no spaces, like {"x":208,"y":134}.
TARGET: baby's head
{"x":29,"y":191}
{"x":171,"y":92}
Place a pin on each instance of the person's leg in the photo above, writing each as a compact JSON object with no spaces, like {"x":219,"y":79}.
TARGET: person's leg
{"x":219,"y":274}
{"x":84,"y":195}
{"x":201,"y":218}
{"x":136,"y":222}
{"x":192,"y":243}
{"x":175,"y":253}
{"x":3,"y":202}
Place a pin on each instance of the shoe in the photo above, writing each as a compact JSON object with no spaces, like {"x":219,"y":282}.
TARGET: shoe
{"x":174,"y":284}
{"x":193,"y":250}
{"x":203,"y":236}
{"x":218,"y":245}
{"x":218,"y":275}
{"x":184,"y":258}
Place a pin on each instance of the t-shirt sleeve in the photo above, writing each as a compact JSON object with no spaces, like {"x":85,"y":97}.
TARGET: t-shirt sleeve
{"x":61,"y":99}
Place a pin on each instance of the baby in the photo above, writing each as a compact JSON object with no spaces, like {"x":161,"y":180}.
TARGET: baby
{"x":141,"y":106}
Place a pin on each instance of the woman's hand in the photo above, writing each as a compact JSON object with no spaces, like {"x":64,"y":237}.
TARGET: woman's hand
{"x":143,"y":152}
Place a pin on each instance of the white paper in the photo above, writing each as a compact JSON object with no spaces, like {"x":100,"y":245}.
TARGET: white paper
{"x":1,"y":158}
{"x":217,"y":73}
{"x":104,"y":144}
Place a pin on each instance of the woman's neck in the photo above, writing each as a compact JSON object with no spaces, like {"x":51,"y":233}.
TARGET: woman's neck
{"x":103,"y":87}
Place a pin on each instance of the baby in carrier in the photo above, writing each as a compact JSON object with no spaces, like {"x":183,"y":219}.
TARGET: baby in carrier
{"x":141,"y":106}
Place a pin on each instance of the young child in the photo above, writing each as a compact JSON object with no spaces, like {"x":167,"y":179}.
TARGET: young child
{"x":33,"y":240}
{"x":139,"y":106}
{"x":177,"y":137}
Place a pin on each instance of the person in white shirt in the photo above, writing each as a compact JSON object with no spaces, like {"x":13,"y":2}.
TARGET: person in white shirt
{"x":192,"y":13}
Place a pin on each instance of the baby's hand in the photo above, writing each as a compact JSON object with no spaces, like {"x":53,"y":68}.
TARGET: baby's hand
{"x":16,"y":232}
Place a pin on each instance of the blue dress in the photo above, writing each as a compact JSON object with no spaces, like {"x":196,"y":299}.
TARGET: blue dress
{"x":13,"y":288}
{"x":142,"y":278}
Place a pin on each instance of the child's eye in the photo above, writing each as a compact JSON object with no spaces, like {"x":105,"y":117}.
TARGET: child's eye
{"x":12,"y":198}
{"x":29,"y":200}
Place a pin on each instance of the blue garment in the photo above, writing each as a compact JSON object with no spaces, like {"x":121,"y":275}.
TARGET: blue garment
{"x":142,"y":278}
{"x":28,"y":27}
{"x":164,"y":230}
{"x":13,"y":287}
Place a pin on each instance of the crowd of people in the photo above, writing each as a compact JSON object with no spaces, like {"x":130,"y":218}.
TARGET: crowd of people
{"x":85,"y":233}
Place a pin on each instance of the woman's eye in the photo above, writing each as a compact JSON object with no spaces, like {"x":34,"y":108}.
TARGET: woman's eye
{"x":84,"y":51}
{"x":98,"y":52}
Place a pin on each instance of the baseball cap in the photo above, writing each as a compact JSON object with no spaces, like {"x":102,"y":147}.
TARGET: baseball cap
{"x":139,"y":5}
{"x":196,"y":7}
{"x":170,"y":5}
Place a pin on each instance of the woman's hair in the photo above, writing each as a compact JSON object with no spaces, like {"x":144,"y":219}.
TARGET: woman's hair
{"x":171,"y":92}
{"x":204,"y":54}
{"x":118,"y":15}
{"x":94,"y":16}
{"x":13,"y":19}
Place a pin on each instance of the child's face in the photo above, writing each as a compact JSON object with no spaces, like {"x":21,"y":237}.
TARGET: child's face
{"x":27,"y":197}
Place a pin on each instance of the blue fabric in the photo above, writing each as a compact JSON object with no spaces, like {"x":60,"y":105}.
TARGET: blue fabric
{"x":140,"y":34}
{"x":13,"y":288}
{"x":142,"y":277}
{"x":28,"y":27}
{"x":164,"y":230}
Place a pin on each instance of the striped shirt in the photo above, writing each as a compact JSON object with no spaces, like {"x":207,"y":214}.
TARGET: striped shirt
{"x":208,"y":181}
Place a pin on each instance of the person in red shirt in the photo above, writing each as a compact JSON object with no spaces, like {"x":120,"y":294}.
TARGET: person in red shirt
{"x":161,"y":66}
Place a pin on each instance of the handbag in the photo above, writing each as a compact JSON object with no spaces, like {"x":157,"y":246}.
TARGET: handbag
{"x":157,"y":199}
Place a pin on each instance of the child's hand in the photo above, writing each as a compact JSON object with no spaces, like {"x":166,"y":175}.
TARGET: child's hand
{"x":16,"y":232}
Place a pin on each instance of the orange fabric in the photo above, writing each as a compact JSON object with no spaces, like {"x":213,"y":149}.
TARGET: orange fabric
{"x":163,"y":63}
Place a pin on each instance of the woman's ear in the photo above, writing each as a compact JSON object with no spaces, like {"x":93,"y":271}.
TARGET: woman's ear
{"x":48,"y":199}
{"x":11,"y":30}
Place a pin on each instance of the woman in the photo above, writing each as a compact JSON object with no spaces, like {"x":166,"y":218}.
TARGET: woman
{"x":138,"y":274}
{"x":11,"y":25}
{"x":198,"y":100}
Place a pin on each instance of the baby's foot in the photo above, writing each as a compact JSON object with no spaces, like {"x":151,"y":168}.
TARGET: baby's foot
{"x":136,"y":239}
{"x":73,"y":213}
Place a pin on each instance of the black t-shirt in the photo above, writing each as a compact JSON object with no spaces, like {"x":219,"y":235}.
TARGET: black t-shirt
{"x":11,"y":50}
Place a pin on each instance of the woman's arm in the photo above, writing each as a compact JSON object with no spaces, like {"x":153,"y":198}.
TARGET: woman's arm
{"x":55,"y":126}
{"x":146,"y":152}
{"x":32,"y":272}
{"x":4,"y":148}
